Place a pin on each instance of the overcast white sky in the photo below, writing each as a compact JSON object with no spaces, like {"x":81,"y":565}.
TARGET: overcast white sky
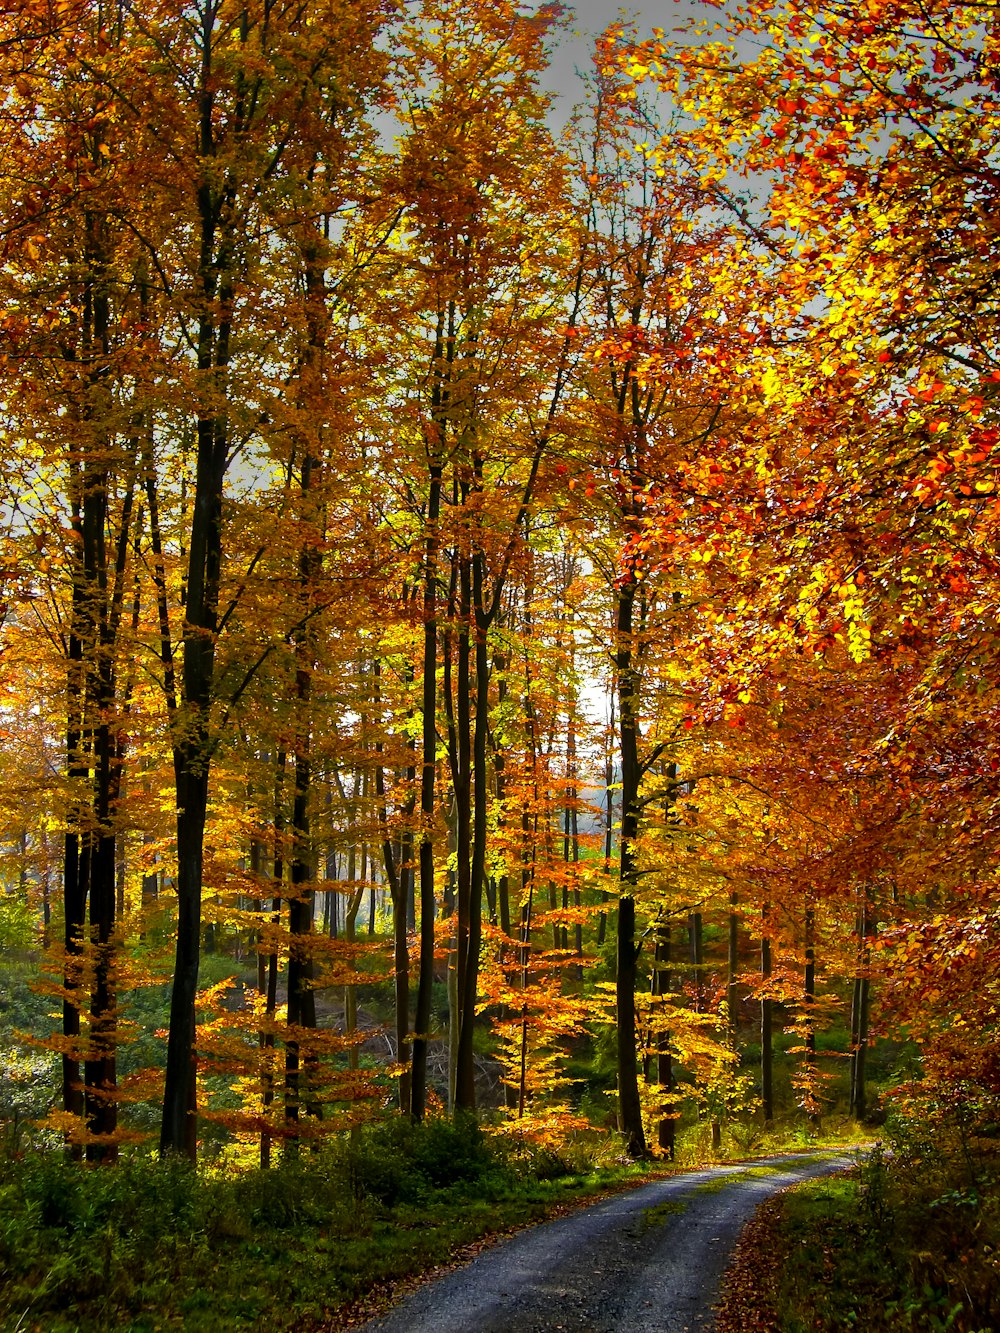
{"x":592,"y":16}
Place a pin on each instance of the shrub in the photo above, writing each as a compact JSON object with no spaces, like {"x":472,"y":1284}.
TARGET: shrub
{"x":401,"y":1162}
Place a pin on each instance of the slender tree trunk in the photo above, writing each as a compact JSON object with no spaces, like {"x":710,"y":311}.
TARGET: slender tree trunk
{"x":525,"y":950}
{"x":312,"y":518}
{"x":809,"y":1014}
{"x":350,"y":935}
{"x":75,"y":858}
{"x":609,"y":824}
{"x":397,"y":874}
{"x":766,"y":1023}
{"x":629,"y":1105}
{"x":193,"y":739}
{"x":662,"y":980}
{"x":425,"y":982}
{"x":500,"y":787}
{"x":732,"y":968}
{"x":860,"y":1001}
{"x":460,"y":750}
{"x":271,"y":993}
{"x":697,"y":954}
{"x":465,"y":1083}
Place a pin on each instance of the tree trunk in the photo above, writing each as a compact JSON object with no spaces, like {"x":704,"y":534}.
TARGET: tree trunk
{"x":609,"y":825}
{"x":301,"y":1014}
{"x":460,"y":753}
{"x":666,"y":1126}
{"x":766,"y":1025}
{"x":75,"y":861}
{"x":697,"y":954}
{"x":192,"y":750}
{"x":397,"y":874}
{"x":465,"y":1087}
{"x":629,"y":1105}
{"x":271,"y":973}
{"x":425,"y":981}
{"x":732,"y":968}
{"x":860,"y":1001}
{"x":809,"y":1016}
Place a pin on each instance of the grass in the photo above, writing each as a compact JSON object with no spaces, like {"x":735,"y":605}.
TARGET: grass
{"x":908,"y":1243}
{"x":155,"y":1246}
{"x":844,"y":1274}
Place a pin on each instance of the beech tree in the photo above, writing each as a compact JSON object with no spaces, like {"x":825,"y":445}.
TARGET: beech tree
{"x":343,"y":474}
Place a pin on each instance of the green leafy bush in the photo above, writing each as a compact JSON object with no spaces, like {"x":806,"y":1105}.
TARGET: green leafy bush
{"x":401,"y":1162}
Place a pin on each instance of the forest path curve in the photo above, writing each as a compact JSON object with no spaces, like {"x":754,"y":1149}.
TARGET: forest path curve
{"x":650,"y":1260}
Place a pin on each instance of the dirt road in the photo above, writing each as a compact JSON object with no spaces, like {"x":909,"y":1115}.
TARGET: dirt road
{"x":647,"y":1261}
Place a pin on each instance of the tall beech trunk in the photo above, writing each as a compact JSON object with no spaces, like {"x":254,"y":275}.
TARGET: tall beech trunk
{"x":666,"y":1125}
{"x":397,"y":875}
{"x":301,"y":1013}
{"x":95,"y":754}
{"x":629,"y":1105}
{"x":609,"y":824}
{"x":465,"y":1085}
{"x":766,"y":1022}
{"x":860,"y":1002}
{"x":99,"y":1070}
{"x":529,"y":840}
{"x":192,"y":740}
{"x":75,"y":859}
{"x":500,"y":781}
{"x":571,"y":850}
{"x":312,"y":518}
{"x":351,"y":935}
{"x":270,"y":971}
{"x":809,"y":1017}
{"x":527,"y":902}
{"x":696,"y":949}
{"x":425,"y":977}
{"x":733,"y":967}
{"x":460,"y":754}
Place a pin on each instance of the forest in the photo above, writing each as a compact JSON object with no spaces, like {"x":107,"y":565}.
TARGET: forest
{"x":498,"y":622}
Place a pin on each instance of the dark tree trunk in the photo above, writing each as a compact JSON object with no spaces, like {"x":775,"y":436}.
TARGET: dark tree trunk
{"x":397,"y":874}
{"x":629,"y":1105}
{"x":460,"y":753}
{"x":860,"y":1001}
{"x":809,"y":1017}
{"x":766,"y":1024}
{"x":465,"y":1085}
{"x":301,"y":1067}
{"x":666,"y":1126}
{"x":733,"y":967}
{"x":500,"y":779}
{"x":609,"y":826}
{"x":697,"y":954}
{"x":425,"y":981}
{"x":301,"y":995}
{"x":74,"y":876}
{"x":193,"y":735}
{"x":525,"y":952}
{"x":271,"y":971}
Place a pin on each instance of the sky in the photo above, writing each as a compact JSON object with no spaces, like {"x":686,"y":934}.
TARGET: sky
{"x":591,"y":17}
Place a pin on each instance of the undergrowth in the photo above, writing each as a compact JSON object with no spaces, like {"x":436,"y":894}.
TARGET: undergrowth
{"x":152,"y":1245}
{"x":910,"y":1243}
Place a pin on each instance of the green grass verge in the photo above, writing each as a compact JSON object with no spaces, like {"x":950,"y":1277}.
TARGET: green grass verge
{"x":901,"y":1245}
{"x":837,"y":1274}
{"x":154,"y":1246}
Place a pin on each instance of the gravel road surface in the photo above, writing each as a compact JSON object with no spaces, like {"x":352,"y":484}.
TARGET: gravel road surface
{"x":646,"y":1261}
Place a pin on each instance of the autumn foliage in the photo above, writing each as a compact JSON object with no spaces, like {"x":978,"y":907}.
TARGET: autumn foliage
{"x":437,"y":549}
